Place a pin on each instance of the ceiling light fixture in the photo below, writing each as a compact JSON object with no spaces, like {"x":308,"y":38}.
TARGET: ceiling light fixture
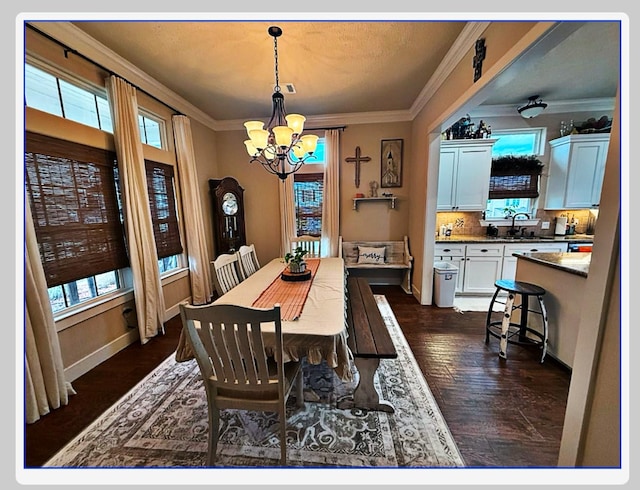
{"x":533,"y":108}
{"x":280,"y":148}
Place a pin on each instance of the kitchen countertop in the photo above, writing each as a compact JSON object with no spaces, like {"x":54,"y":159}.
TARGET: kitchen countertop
{"x":573,"y":262}
{"x":506,"y":239}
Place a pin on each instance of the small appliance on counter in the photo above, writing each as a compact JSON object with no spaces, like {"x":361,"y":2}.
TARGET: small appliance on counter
{"x":492,"y":231}
{"x":561,"y":226}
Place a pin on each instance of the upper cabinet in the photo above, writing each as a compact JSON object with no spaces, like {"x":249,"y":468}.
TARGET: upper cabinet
{"x":576,"y":171}
{"x":463,"y":178}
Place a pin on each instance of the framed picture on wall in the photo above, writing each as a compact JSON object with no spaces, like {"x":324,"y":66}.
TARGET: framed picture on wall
{"x":391,"y":163}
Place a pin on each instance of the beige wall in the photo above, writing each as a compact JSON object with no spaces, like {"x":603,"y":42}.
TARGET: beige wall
{"x":372,"y":220}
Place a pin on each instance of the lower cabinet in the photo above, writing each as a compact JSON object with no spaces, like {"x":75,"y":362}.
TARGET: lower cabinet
{"x":453,"y":254}
{"x":480,"y":265}
{"x":509,"y":262}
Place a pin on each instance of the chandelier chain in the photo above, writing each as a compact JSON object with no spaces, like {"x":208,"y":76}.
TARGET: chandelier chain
{"x":275,"y":55}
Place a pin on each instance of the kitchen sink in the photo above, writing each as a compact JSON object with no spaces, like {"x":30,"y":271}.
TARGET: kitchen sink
{"x":524,"y":238}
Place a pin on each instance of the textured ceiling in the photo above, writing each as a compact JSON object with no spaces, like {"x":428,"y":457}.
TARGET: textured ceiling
{"x":226,"y":69}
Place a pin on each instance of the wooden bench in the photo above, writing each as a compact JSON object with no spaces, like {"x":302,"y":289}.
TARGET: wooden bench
{"x":396,"y":268}
{"x":369,"y":341}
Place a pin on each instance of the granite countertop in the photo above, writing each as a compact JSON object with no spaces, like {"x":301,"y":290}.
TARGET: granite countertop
{"x":506,"y":239}
{"x":572,"y":262}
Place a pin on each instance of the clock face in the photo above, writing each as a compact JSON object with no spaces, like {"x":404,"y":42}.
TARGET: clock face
{"x":229,"y":203}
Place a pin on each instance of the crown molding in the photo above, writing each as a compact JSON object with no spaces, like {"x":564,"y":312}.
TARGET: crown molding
{"x":553,"y":107}
{"x":465,"y":41}
{"x":330,"y":120}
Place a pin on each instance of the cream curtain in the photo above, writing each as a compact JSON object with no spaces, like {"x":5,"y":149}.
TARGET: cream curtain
{"x":45,"y":385}
{"x":143,"y":255}
{"x":199,"y":270}
{"x":331,"y":198}
{"x":287,"y":214}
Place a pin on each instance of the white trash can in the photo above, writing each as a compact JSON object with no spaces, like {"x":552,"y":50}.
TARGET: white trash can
{"x":445,"y":277}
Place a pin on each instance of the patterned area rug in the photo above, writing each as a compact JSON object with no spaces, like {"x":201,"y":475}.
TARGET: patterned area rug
{"x":162,"y":422}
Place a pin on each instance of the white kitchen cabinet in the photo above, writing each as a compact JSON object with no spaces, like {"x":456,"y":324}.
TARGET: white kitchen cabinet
{"x":464,"y":173}
{"x":509,"y":262}
{"x":482,"y":267}
{"x":454,"y":254}
{"x":576,"y":171}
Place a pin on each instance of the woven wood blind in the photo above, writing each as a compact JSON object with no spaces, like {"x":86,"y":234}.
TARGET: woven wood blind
{"x":308,"y":192}
{"x":505,"y":185}
{"x":162,"y":202}
{"x":72,"y":192}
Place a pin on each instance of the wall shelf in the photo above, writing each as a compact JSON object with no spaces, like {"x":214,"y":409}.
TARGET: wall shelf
{"x":392,"y":201}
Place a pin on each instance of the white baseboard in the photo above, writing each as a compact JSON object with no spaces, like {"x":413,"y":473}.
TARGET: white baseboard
{"x":86,"y":364}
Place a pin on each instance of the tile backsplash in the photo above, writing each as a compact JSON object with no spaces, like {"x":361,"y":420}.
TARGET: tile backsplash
{"x":469,"y":223}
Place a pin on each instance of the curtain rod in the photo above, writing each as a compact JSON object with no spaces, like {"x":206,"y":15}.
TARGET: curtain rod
{"x":68,"y":50}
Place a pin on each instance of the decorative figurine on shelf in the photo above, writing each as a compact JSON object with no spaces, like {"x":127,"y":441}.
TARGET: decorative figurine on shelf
{"x":373,"y":189}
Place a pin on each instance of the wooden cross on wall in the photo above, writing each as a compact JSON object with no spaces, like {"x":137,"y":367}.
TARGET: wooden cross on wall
{"x":481,"y":53}
{"x":357,"y":160}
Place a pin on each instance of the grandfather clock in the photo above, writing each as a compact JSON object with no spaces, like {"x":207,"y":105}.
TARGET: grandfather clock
{"x":228,"y":214}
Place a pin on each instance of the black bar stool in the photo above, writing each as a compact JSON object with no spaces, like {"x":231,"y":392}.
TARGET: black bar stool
{"x":516,"y":333}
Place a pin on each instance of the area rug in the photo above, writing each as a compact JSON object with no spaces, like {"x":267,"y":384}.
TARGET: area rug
{"x":475,"y":303}
{"x":162,"y":423}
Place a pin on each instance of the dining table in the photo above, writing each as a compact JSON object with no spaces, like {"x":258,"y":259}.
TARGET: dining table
{"x":313,"y":312}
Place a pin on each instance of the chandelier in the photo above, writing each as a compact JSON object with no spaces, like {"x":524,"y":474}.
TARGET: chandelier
{"x":533,"y":108}
{"x":280,"y":148}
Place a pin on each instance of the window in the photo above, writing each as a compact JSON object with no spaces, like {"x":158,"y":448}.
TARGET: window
{"x":162,"y":203}
{"x":514,"y":192}
{"x":67,"y":99}
{"x":150,"y":133}
{"x":76,"y":101}
{"x":72,"y":193}
{"x":307,"y":191}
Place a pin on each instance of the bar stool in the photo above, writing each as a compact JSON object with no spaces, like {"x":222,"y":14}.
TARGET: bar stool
{"x":510,"y":332}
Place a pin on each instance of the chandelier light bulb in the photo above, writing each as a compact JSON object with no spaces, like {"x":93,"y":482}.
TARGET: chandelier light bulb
{"x":309,"y":143}
{"x":296,"y":122}
{"x":283,"y":136}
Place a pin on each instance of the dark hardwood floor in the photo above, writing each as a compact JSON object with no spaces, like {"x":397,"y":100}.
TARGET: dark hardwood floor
{"x":501,"y":413}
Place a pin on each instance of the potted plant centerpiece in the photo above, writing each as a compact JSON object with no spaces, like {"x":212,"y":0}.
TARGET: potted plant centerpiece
{"x":296,"y":260}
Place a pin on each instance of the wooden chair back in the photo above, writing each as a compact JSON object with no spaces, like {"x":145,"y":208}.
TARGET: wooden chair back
{"x":229,"y":347}
{"x":226,"y":273}
{"x":311,"y":244}
{"x":248,"y":260}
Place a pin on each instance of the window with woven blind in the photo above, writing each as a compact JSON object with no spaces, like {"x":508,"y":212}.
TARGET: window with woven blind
{"x":308,"y":192}
{"x":514,"y":177}
{"x":72,"y":193}
{"x":162,"y":202}
{"x":510,"y":186}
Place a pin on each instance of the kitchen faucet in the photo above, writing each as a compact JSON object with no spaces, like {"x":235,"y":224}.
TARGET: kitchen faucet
{"x":512,"y":231}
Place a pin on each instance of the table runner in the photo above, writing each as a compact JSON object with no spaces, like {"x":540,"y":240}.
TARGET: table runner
{"x":290,"y":294}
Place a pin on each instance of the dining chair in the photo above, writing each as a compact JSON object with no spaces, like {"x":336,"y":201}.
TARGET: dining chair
{"x":226,"y":272}
{"x":228,"y":343}
{"x":309,"y":243}
{"x":248,"y":260}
